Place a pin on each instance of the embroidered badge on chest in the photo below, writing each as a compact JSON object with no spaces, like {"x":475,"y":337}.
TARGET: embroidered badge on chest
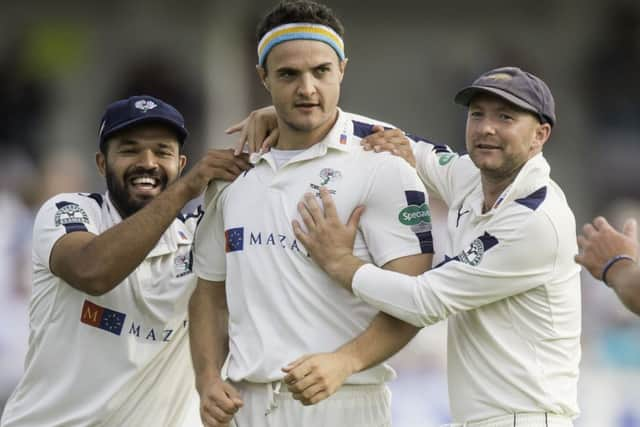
{"x":182,"y":264}
{"x":327,"y":176}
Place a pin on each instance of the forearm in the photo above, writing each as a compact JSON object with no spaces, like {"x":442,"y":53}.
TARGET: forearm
{"x":399,"y":295}
{"x":208,"y":333}
{"x":110,"y":257}
{"x":384,"y":337}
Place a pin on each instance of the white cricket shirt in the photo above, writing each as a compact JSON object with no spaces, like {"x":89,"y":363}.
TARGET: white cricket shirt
{"x":281,"y":304}
{"x":119,"y":359}
{"x":508,"y":286}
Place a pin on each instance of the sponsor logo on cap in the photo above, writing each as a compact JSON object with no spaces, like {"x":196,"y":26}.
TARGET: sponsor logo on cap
{"x":500,"y":76}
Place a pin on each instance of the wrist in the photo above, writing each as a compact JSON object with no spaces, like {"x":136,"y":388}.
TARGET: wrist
{"x":614,"y":266}
{"x":205,"y":379}
{"x":350,"y":361}
{"x":344,"y":268}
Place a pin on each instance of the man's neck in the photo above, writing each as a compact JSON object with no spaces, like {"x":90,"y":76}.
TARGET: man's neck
{"x":493,"y":187}
{"x":293,"y":139}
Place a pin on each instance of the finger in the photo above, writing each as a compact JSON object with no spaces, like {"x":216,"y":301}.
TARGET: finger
{"x":251,"y":135}
{"x":330,"y":211}
{"x":221,"y":416}
{"x":313,"y":208}
{"x":385,"y":146}
{"x":303,"y":383}
{"x":271,"y":140}
{"x":297,"y":231}
{"x":354,"y":218}
{"x":222,"y":400}
{"x":260,"y":134}
{"x":588,"y":230}
{"x":207,"y":419}
{"x":600,"y":224}
{"x":236,"y":127}
{"x":630,"y":229}
{"x":210,"y":410}
{"x":242,"y":139}
{"x":297,"y":373}
{"x":225,"y":175}
{"x":582,"y":242}
{"x":318,"y":397}
{"x":307,"y":218}
{"x":310,"y":392}
{"x":242,"y":161}
{"x":232,"y":392}
{"x":377,"y":128}
{"x":296,"y":362}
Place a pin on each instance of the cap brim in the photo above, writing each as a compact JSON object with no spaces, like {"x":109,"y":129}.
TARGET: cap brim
{"x":465,"y":95}
{"x":180,"y":131}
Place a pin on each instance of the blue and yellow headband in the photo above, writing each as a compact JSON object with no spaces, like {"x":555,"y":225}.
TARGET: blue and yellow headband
{"x":299,"y":31}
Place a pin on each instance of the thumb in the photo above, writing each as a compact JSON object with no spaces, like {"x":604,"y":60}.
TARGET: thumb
{"x":630,"y":229}
{"x":232,"y":393}
{"x":354,"y":219}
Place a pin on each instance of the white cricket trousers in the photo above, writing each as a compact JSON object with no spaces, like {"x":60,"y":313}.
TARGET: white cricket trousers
{"x":272,"y":405}
{"x":534,"y":419}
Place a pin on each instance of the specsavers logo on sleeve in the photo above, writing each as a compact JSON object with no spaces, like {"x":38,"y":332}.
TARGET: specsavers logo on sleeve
{"x":417,"y":217}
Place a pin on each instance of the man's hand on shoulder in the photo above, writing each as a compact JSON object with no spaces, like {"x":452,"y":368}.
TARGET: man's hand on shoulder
{"x":215,"y":164}
{"x":391,"y":140}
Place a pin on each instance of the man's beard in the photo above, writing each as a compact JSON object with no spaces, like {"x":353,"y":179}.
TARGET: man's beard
{"x":126,"y":204}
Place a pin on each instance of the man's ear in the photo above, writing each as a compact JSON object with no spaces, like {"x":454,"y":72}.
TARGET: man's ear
{"x":543,"y":132}
{"x":262,"y":74}
{"x":342,"y":66}
{"x":101,"y":163}
{"x":182,"y":163}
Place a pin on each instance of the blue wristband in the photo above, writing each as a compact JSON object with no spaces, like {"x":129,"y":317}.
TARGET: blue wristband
{"x":610,"y":263}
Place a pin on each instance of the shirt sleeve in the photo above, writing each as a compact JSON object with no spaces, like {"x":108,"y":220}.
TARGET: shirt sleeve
{"x":59,"y":216}
{"x":210,"y":244}
{"x":437,"y":165}
{"x":397,"y":220}
{"x":503,"y":262}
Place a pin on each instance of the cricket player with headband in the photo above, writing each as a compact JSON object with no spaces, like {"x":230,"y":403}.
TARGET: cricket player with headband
{"x":286,"y":317}
{"x":112,"y":276}
{"x":508,"y":286}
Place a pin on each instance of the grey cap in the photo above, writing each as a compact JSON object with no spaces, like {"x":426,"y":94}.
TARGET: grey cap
{"x":515,"y":86}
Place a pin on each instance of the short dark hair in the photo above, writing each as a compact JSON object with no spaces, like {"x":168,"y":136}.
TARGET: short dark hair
{"x":293,"y":11}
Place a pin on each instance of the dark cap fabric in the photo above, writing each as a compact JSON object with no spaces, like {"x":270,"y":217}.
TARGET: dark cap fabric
{"x":515,"y":86}
{"x":140,"y":109}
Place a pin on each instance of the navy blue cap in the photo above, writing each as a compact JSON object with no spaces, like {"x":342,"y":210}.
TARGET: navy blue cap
{"x":517,"y":87}
{"x":140,"y":109}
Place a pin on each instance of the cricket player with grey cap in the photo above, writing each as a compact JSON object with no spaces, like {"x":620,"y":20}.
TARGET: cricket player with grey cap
{"x":508,"y":286}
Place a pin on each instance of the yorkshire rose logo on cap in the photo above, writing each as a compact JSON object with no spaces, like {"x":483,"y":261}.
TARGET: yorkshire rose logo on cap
{"x":145,"y":105}
{"x":500,"y":76}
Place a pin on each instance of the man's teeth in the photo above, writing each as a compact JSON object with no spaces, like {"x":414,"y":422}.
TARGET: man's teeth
{"x":144,"y":181}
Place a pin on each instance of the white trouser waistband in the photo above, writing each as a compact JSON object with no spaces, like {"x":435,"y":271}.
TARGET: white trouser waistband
{"x":277,"y":388}
{"x":526,"y":419}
